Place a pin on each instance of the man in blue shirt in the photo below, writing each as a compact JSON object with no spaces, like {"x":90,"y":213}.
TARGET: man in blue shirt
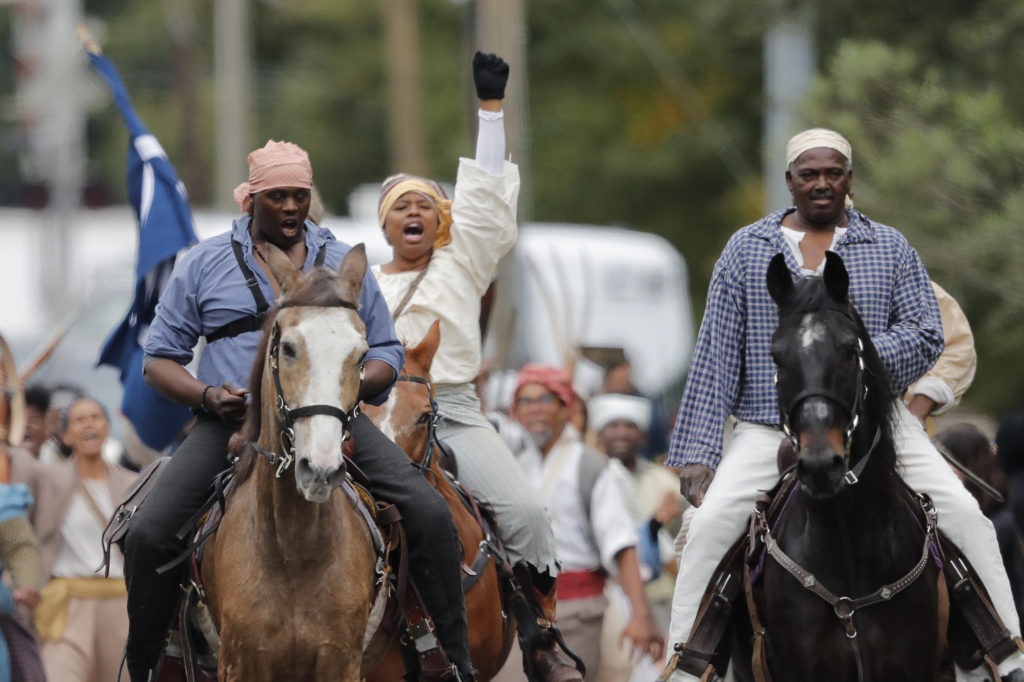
{"x":220,"y":291}
{"x":732,"y":375}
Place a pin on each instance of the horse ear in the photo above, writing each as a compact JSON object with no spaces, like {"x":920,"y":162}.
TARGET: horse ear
{"x":837,"y":279}
{"x":287,"y":275}
{"x":352,"y":271}
{"x":423,"y":352}
{"x":779,"y":279}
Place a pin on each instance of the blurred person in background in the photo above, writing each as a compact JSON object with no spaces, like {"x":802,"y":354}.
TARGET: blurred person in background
{"x":61,"y":396}
{"x":37,"y":403}
{"x":82,"y":619}
{"x":941,"y":387}
{"x":971,"y":448}
{"x":19,"y":557}
{"x":621,"y":423}
{"x":1010,"y":449}
{"x":618,"y":379}
{"x":594,"y":528}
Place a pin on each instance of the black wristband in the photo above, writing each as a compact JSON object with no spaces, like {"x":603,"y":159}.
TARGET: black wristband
{"x":202,"y":400}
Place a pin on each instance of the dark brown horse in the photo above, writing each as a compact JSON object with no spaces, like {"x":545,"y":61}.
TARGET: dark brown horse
{"x":290,"y":572}
{"x":408,"y":418}
{"x":850,"y":590}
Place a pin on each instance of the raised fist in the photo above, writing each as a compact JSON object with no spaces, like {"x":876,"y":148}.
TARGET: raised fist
{"x":490,"y":74}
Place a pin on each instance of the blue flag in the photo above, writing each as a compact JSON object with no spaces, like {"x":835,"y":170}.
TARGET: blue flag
{"x":165,"y":228}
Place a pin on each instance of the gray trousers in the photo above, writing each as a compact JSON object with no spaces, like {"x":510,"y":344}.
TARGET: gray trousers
{"x":489,"y":469}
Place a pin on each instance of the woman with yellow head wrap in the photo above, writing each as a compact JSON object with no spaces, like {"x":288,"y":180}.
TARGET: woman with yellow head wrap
{"x":444,"y":256}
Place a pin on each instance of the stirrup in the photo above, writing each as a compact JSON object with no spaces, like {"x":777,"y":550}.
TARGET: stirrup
{"x":688,"y":661}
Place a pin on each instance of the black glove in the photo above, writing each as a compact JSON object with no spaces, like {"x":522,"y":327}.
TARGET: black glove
{"x":490,"y":74}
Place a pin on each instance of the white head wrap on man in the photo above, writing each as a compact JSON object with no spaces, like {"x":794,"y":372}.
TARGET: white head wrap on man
{"x":814,"y":138}
{"x":608,"y":407}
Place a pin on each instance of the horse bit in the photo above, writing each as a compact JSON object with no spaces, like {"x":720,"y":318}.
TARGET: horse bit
{"x":287,"y":415}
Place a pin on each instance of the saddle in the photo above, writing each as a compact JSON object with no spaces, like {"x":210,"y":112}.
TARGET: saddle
{"x":980,"y":638}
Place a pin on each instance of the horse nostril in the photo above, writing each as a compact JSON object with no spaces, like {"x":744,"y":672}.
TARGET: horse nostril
{"x":304,"y":471}
{"x":337,"y":477}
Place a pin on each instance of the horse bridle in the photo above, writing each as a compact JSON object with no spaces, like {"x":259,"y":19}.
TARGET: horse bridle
{"x":853,"y":407}
{"x":288,"y":415}
{"x":434,"y":416}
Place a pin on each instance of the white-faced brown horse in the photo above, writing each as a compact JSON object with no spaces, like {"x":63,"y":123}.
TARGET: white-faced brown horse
{"x":408,"y":418}
{"x":849,"y":589}
{"x":289,"y":573}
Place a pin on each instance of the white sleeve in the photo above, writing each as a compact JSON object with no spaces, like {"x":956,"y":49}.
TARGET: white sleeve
{"x":490,"y":142}
{"x":610,"y":519}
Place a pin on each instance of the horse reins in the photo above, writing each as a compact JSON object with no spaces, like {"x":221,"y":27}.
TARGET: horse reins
{"x":288,"y":415}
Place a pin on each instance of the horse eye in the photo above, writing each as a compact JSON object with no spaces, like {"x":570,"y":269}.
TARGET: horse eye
{"x":424,"y":418}
{"x":288,"y":349}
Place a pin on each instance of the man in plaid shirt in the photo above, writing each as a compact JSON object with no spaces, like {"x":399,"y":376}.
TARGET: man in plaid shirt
{"x":732,"y":374}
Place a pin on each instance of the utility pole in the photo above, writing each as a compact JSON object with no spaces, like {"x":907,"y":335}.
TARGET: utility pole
{"x":501,"y":29}
{"x":233,"y":70}
{"x":788,"y":72}
{"x":405,"y":87}
{"x":181,"y":26}
{"x":51,"y":109}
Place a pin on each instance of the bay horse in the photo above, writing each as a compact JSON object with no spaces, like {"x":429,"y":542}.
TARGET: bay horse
{"x":409,"y":418}
{"x":290,"y":571}
{"x":851,"y":587}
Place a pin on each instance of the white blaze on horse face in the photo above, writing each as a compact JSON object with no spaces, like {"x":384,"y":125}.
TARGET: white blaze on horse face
{"x":328,"y":336}
{"x":811,"y":331}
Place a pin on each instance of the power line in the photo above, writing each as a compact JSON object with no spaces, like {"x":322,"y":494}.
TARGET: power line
{"x":684,"y":91}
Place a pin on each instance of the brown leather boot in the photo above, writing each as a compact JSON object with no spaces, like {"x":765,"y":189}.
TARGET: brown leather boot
{"x":546,"y":656}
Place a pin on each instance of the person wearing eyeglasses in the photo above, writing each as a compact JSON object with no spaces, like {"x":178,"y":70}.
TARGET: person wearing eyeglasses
{"x":594,"y":531}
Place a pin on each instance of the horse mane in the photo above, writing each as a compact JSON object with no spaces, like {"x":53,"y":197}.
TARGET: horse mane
{"x":810,"y":295}
{"x":318,"y":289}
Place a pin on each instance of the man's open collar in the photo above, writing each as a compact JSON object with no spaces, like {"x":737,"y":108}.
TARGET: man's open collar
{"x":859,"y":228}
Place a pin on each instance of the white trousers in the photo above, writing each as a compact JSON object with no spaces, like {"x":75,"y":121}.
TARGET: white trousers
{"x":749,"y":464}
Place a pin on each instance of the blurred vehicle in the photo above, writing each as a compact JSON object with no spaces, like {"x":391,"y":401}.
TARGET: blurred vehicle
{"x":565,"y":287}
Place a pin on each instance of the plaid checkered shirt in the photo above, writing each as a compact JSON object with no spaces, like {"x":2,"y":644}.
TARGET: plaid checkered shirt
{"x":732,"y":369}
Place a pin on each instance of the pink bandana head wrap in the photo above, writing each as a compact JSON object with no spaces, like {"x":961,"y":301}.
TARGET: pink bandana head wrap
{"x":276,"y":164}
{"x":554,"y":379}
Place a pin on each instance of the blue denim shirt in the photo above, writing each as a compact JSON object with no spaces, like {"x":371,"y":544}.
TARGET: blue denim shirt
{"x":732,"y":368}
{"x":207,"y":290}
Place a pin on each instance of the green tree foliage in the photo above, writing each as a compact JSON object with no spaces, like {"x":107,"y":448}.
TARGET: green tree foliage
{"x":942,"y":160}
